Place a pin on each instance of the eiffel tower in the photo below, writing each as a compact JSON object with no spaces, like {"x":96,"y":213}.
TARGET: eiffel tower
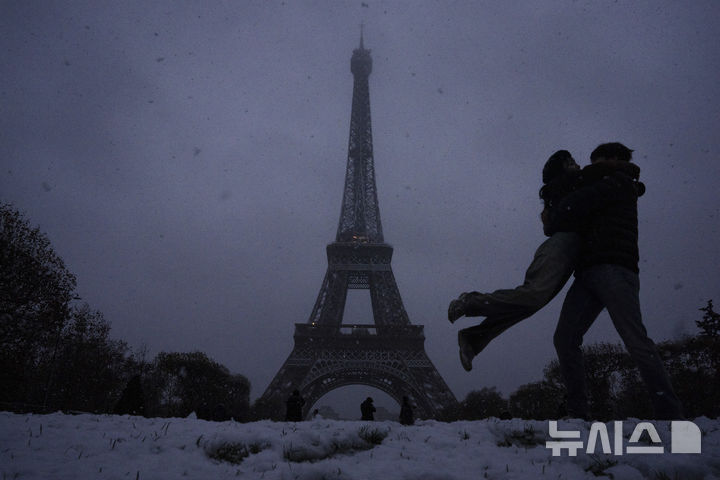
{"x":388,"y":354}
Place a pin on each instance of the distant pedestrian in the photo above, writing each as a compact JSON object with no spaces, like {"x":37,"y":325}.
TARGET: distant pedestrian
{"x":294,"y":407}
{"x":367,"y":409}
{"x":406,"y":412}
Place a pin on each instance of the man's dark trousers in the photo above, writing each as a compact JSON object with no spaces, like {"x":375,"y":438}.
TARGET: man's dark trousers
{"x":616,"y":288}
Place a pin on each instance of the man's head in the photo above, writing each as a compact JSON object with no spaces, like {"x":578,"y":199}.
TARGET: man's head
{"x":558,"y":163}
{"x":611,"y":152}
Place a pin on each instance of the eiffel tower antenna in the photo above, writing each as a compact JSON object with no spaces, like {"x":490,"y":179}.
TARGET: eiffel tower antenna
{"x":387,"y":353}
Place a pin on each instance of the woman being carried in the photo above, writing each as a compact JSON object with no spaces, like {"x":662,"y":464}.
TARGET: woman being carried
{"x":553,"y":262}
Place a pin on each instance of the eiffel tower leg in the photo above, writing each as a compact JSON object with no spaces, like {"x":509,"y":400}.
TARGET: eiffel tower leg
{"x":436,"y":395}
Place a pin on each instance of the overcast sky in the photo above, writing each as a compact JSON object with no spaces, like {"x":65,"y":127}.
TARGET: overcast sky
{"x":187,"y":159}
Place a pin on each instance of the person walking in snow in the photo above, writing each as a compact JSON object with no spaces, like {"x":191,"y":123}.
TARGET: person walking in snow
{"x":406,"y":412}
{"x":294,"y":406}
{"x":367,"y":409}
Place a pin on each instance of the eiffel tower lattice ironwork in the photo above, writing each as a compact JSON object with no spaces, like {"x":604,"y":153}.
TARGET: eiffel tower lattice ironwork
{"x":388,"y":354}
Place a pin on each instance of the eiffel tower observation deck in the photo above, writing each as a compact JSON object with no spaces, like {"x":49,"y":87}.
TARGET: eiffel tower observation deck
{"x":388,"y":353}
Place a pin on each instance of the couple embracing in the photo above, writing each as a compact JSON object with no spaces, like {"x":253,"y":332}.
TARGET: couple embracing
{"x":590,"y":217}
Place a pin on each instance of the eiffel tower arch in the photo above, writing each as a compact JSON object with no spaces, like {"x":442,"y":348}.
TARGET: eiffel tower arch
{"x":388,"y":354}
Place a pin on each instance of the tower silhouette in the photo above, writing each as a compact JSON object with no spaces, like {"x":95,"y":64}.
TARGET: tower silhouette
{"x":388,"y":354}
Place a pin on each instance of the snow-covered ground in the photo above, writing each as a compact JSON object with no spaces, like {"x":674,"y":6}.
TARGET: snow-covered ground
{"x":79,"y":447}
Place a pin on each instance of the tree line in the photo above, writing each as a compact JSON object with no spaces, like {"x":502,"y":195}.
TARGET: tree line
{"x":56,"y":354}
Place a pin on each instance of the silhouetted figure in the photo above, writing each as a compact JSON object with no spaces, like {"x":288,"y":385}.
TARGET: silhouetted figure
{"x":132,"y":400}
{"x":367,"y":409}
{"x":552,"y":265}
{"x":294,"y":407}
{"x":606,"y":277}
{"x":406,"y":412}
{"x":316,"y":414}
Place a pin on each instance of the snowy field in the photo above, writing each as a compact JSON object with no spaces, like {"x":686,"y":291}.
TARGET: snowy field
{"x":82,"y":447}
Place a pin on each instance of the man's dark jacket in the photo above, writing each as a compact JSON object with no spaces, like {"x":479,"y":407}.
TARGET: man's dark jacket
{"x":603,"y":210}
